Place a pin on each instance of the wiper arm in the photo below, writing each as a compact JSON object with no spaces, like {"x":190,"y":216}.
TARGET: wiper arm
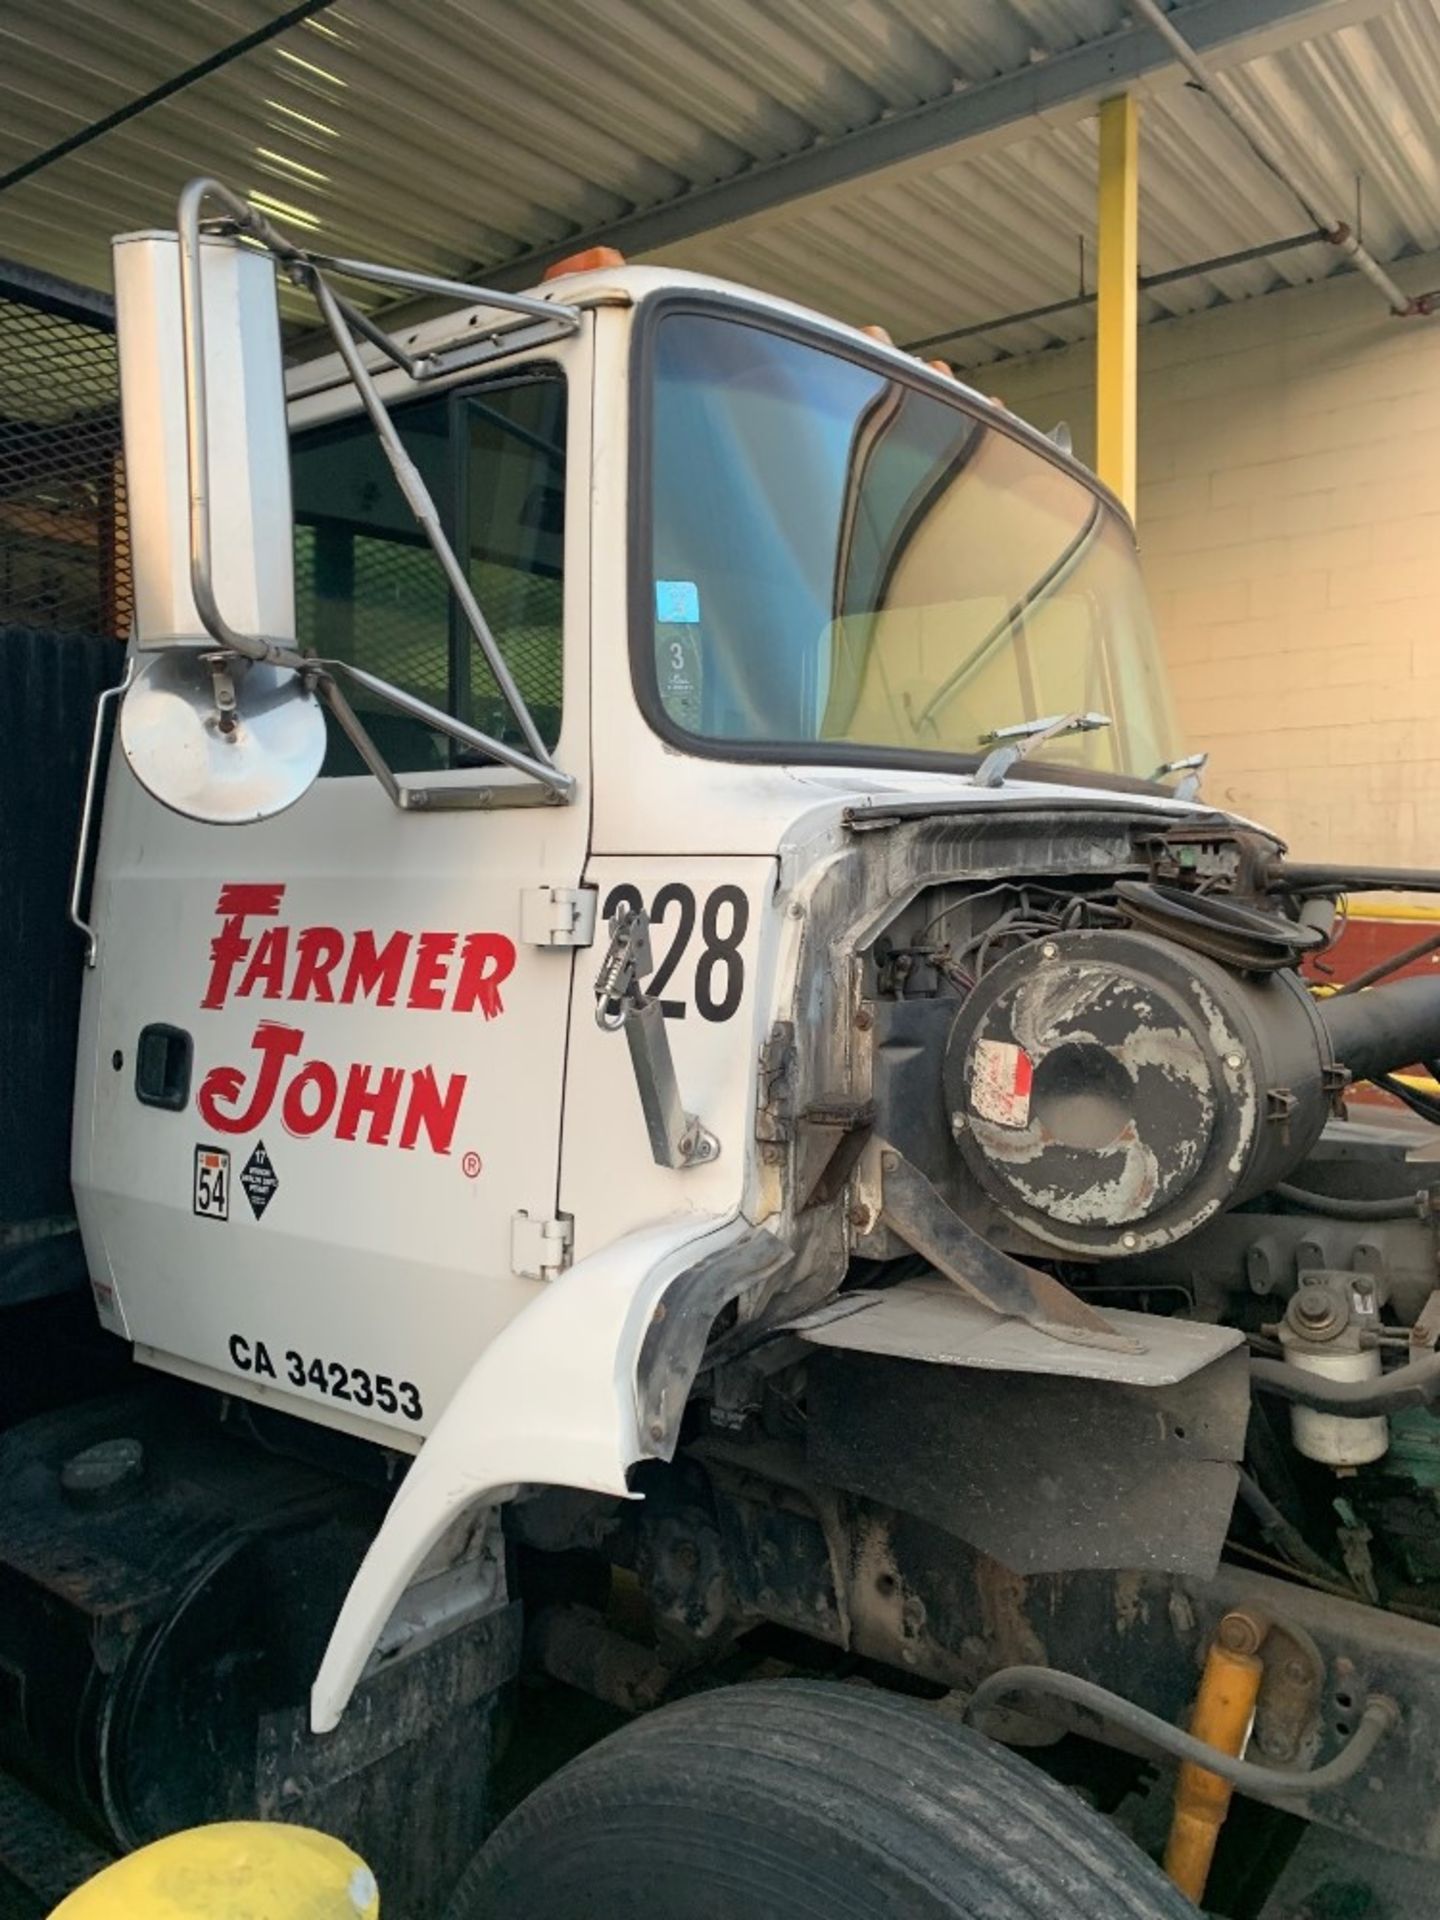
{"x":1039,"y":589}
{"x":1191,"y":769}
{"x":1009,"y":744}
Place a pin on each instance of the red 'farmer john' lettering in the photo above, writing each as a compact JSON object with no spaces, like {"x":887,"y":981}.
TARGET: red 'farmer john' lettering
{"x":310,"y":1101}
{"x":429,"y":971}
{"x":255,"y":955}
{"x":374,"y":972}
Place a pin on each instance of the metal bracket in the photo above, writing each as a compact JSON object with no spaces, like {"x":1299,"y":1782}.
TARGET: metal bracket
{"x":924,"y":1220}
{"x":1009,"y":744}
{"x":1425,"y":1333}
{"x":540,"y":1249}
{"x":677,"y":1138}
{"x":558,"y":916}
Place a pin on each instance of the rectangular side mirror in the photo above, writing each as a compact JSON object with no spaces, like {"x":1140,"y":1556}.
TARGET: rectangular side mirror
{"x":249,"y":453}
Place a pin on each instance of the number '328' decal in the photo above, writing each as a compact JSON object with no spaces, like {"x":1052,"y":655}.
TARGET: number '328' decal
{"x":719,"y":978}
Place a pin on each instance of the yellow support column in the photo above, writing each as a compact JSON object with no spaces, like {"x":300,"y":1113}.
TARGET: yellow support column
{"x":1117,"y":276}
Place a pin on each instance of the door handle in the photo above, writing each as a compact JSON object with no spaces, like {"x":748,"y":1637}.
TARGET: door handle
{"x":163,"y":1058}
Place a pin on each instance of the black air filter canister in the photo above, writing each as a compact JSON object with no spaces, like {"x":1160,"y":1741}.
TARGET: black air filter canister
{"x":1111,"y":1091}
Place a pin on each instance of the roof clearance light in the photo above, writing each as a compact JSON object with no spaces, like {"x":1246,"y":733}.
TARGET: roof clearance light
{"x":591,"y":260}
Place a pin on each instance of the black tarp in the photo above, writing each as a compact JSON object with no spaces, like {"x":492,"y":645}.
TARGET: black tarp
{"x":49,"y":683}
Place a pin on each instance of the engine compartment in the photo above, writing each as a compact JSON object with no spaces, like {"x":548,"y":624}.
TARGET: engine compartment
{"x":1128,"y":1082}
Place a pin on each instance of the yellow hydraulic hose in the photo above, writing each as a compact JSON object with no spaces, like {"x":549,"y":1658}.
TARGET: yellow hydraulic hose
{"x":1224,"y":1713}
{"x":233,"y":1871}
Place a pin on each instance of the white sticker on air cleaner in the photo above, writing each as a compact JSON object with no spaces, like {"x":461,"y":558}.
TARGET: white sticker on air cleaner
{"x":1000,"y":1078}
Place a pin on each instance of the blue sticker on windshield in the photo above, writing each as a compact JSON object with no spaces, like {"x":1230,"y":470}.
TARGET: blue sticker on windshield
{"x":677,"y":603}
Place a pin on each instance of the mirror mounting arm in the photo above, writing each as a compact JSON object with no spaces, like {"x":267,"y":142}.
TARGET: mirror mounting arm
{"x":340,"y":316}
{"x":417,"y":498}
{"x":560,"y":786}
{"x":354,"y":730}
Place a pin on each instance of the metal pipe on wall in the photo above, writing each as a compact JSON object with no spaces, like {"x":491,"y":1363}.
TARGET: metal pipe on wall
{"x":1258,"y":137}
{"x":1242,"y":257}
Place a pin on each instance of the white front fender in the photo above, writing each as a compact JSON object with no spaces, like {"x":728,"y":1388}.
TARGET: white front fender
{"x":550,"y":1402}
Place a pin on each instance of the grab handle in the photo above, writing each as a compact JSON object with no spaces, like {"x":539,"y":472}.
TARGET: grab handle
{"x":87,"y":815}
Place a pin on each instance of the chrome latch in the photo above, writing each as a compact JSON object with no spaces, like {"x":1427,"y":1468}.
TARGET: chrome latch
{"x":677,"y":1138}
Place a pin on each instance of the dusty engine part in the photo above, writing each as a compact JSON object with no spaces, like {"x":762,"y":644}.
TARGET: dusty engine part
{"x":1329,"y":1330}
{"x":1241,"y":937}
{"x":576,"y":1646}
{"x":1265,"y":1254}
{"x":1111,"y":1091}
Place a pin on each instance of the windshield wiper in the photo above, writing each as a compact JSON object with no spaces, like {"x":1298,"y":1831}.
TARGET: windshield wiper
{"x":1009,"y":744}
{"x":1191,"y":770}
{"x":1038,"y":590}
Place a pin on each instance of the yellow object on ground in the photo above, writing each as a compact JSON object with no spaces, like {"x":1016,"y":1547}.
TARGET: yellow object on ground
{"x":239,"y":1870}
{"x":1224,"y":1713}
{"x":1117,"y":337}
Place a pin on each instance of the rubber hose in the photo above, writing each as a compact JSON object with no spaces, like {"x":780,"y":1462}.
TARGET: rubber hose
{"x":1404,"y":1206}
{"x":1415,"y":1385}
{"x":1309,"y":878}
{"x":1380,"y":1717}
{"x":1383,"y":1029}
{"x":1283,"y":1533}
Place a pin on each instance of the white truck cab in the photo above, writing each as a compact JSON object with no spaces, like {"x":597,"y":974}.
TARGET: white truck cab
{"x":752,"y":571}
{"x":638,"y":898}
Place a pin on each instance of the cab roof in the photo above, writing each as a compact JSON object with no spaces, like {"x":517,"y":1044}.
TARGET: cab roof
{"x":631,"y":286}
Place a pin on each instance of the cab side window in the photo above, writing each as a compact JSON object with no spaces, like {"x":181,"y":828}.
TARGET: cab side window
{"x":369,"y":589}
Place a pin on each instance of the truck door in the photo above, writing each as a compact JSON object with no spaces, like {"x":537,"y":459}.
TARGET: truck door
{"x":318,"y":1120}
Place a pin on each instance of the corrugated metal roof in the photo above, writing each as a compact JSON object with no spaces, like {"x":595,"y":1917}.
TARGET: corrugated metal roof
{"x":1358,"y":110}
{"x":460,"y":134}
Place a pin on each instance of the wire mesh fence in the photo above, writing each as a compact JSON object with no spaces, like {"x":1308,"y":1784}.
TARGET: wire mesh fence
{"x":64,"y":543}
{"x":366,"y":590}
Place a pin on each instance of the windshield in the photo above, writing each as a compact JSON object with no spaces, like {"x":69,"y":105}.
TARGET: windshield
{"x":839,"y":559}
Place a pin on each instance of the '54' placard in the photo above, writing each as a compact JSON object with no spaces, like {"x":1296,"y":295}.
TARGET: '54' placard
{"x":212,"y":1183}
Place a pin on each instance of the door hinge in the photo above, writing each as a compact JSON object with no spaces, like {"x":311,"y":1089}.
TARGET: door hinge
{"x":558,"y":916}
{"x":540,"y":1249}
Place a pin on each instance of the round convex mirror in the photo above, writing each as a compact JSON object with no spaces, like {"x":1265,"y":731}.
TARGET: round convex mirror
{"x":172,"y":735}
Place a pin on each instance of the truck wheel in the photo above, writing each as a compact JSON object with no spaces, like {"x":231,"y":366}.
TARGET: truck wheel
{"x":801,"y":1800}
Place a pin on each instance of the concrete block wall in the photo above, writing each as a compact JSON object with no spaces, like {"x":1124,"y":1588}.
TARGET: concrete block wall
{"x":1289,"y":522}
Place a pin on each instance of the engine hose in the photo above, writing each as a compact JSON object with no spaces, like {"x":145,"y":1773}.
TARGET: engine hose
{"x":1414,"y":1385}
{"x":1282,"y":1532}
{"x":1380,"y":1717}
{"x":1427,"y":1108}
{"x":1404,"y":1206}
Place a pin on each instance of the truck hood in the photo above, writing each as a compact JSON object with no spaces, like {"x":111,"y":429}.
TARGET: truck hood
{"x":719,"y":807}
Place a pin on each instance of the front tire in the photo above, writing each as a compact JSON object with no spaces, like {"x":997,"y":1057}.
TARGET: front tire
{"x":803,"y":1800}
